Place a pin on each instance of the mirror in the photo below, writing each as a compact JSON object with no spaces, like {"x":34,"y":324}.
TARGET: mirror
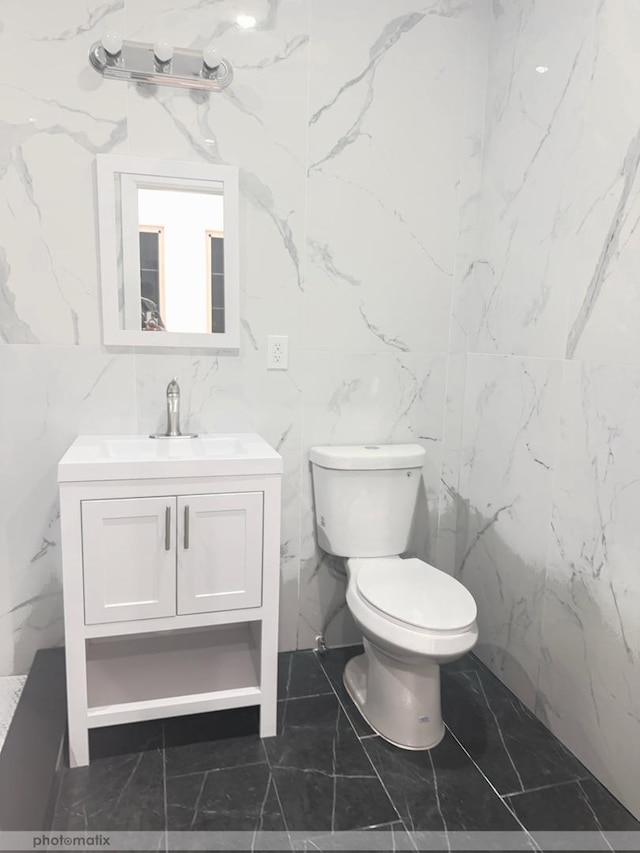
{"x":168,"y":253}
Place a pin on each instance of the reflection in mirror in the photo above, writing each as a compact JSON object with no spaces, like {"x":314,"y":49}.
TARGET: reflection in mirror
{"x":169,"y":252}
{"x":180,"y":261}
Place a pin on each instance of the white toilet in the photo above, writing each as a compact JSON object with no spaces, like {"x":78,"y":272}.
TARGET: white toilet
{"x":413,"y":617}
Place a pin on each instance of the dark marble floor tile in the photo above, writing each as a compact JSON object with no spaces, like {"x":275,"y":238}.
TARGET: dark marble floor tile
{"x":125,"y":793}
{"x":237,"y":799}
{"x":559,"y":807}
{"x":315,"y":733}
{"x":610,"y":813}
{"x":325,"y":780}
{"x":300,"y":674}
{"x":572,"y":807}
{"x":511,"y":746}
{"x":314,"y":802}
{"x":110,"y":741}
{"x":333,"y":662}
{"x":438,"y":788}
{"x":212,"y":741}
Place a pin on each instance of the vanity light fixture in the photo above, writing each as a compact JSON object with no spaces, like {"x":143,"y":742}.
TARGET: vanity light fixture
{"x":160,"y":63}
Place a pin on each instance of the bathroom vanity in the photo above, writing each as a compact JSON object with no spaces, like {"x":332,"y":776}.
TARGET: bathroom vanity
{"x":171,"y":553}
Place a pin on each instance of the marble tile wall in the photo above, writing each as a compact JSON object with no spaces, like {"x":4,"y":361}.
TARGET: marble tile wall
{"x":546,"y":317}
{"x":356,"y":131}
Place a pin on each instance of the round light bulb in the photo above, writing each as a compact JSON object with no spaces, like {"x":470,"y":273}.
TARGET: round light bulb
{"x":246,"y":22}
{"x":211,"y":57}
{"x":112,"y":43}
{"x":163,"y":50}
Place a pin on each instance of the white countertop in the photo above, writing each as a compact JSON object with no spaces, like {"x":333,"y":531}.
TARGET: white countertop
{"x":129,"y":457}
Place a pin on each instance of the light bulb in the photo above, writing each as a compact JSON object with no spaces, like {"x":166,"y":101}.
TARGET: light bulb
{"x":112,"y":43}
{"x":246,"y":22}
{"x":211,"y":57}
{"x":163,"y":50}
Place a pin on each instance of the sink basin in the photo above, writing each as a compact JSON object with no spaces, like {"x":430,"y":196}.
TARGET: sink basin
{"x":122,"y":457}
{"x":203,"y":447}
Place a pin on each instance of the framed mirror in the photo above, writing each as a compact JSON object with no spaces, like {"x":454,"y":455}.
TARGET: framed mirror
{"x":169,"y":236}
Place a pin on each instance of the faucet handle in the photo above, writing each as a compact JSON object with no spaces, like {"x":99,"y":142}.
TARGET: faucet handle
{"x":173,"y":387}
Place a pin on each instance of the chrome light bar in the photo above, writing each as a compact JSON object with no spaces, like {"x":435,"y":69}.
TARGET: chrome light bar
{"x":138,"y":62}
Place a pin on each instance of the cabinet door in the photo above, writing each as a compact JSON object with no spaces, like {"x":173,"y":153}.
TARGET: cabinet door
{"x":219,"y":552}
{"x":129,"y":558}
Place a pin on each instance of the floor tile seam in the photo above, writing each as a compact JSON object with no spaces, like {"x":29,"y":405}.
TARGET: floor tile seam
{"x":595,"y":816}
{"x":364,"y":749}
{"x":309,"y":696}
{"x":217,"y":769}
{"x":323,"y":772}
{"x":500,"y":732}
{"x":562,"y":784}
{"x":275,"y":787}
{"x":491,"y":785}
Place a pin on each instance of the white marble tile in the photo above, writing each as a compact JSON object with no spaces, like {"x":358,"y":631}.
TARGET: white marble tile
{"x":589,"y":689}
{"x":602,"y":252}
{"x":537,"y":186}
{"x":55,"y":393}
{"x":512,"y":412}
{"x":381,"y":238}
{"x":444,"y":554}
{"x":471,"y":165}
{"x":56,"y":114}
{"x":359,"y":399}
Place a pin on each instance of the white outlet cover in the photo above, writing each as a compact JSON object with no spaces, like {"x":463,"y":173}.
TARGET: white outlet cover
{"x":277,"y":352}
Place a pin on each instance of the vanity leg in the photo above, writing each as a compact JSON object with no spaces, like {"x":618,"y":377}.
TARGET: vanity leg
{"x":75,"y":644}
{"x":269,"y":679}
{"x":77,"y":704}
{"x":78,"y":746}
{"x":268,"y":722}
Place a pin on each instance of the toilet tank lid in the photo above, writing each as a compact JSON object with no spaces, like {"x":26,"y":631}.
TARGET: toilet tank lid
{"x":368,"y":457}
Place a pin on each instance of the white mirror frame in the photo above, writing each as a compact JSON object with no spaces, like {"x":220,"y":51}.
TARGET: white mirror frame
{"x":108,"y":166}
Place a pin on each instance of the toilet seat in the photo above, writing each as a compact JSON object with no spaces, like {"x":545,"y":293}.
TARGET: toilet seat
{"x":414,"y":593}
{"x":393,"y":634}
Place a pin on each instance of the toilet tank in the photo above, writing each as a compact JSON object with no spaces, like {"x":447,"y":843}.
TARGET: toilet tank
{"x":365,"y":497}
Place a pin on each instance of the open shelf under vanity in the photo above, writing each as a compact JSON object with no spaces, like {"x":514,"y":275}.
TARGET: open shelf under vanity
{"x":145,"y":676}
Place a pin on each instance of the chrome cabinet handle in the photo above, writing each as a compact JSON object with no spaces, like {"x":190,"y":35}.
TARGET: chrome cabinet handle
{"x":167,"y":529}
{"x":186,"y":527}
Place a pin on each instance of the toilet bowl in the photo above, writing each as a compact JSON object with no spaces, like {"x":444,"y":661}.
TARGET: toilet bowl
{"x":413,"y":617}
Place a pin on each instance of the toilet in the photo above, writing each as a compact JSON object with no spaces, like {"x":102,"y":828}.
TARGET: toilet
{"x":413,"y":617}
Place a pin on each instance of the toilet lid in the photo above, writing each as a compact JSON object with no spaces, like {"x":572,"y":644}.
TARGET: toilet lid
{"x":416,"y":593}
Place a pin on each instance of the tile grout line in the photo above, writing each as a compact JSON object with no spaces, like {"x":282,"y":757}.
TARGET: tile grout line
{"x":217,"y":769}
{"x":275,"y":788}
{"x":375,"y":769}
{"x":310,"y":696}
{"x":562,"y":784}
{"x":492,"y":786}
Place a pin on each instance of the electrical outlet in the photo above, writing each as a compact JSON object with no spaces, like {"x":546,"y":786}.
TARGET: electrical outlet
{"x":277,"y":352}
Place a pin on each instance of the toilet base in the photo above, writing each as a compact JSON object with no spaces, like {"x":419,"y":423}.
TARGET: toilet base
{"x":399,"y":700}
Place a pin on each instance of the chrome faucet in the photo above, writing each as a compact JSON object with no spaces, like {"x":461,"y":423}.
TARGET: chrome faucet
{"x":173,"y":408}
{"x":173,"y":413}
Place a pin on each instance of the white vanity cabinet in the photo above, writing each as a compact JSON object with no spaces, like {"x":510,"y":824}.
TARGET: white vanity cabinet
{"x":171,"y":554}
